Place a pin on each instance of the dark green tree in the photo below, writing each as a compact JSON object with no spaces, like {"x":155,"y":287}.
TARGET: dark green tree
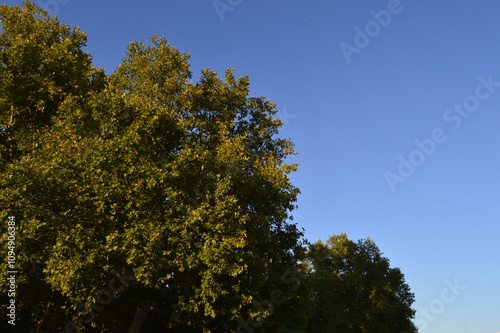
{"x":354,"y":289}
{"x":42,"y":66}
{"x":142,"y":200}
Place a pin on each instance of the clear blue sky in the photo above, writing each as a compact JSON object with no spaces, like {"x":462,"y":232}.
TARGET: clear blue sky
{"x":354,"y":103}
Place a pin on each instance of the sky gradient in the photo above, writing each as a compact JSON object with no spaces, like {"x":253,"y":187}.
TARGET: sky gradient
{"x":394,"y":107}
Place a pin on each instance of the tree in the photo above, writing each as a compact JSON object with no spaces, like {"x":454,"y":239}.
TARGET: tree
{"x":355,"y":290}
{"x":139,"y":192}
{"x":42,"y":65}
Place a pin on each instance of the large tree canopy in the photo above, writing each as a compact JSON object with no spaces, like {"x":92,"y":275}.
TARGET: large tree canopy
{"x":177,"y":189}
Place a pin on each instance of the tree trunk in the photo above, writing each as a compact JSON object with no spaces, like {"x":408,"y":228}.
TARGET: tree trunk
{"x":42,"y":320}
{"x":142,"y":312}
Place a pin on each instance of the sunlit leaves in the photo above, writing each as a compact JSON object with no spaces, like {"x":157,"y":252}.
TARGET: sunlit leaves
{"x":182,"y":184}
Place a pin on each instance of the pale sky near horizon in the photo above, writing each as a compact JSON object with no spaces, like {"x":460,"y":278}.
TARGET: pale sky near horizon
{"x":394,"y":107}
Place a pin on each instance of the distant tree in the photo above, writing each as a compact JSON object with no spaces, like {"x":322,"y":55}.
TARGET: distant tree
{"x":142,"y":200}
{"x":355,"y":290}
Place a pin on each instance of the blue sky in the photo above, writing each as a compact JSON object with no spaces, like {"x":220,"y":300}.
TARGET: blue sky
{"x":355,"y":117}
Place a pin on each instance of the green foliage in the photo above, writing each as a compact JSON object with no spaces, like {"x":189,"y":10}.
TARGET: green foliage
{"x":42,"y":64}
{"x":355,"y":290}
{"x":145,"y":200}
{"x":181,"y":185}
